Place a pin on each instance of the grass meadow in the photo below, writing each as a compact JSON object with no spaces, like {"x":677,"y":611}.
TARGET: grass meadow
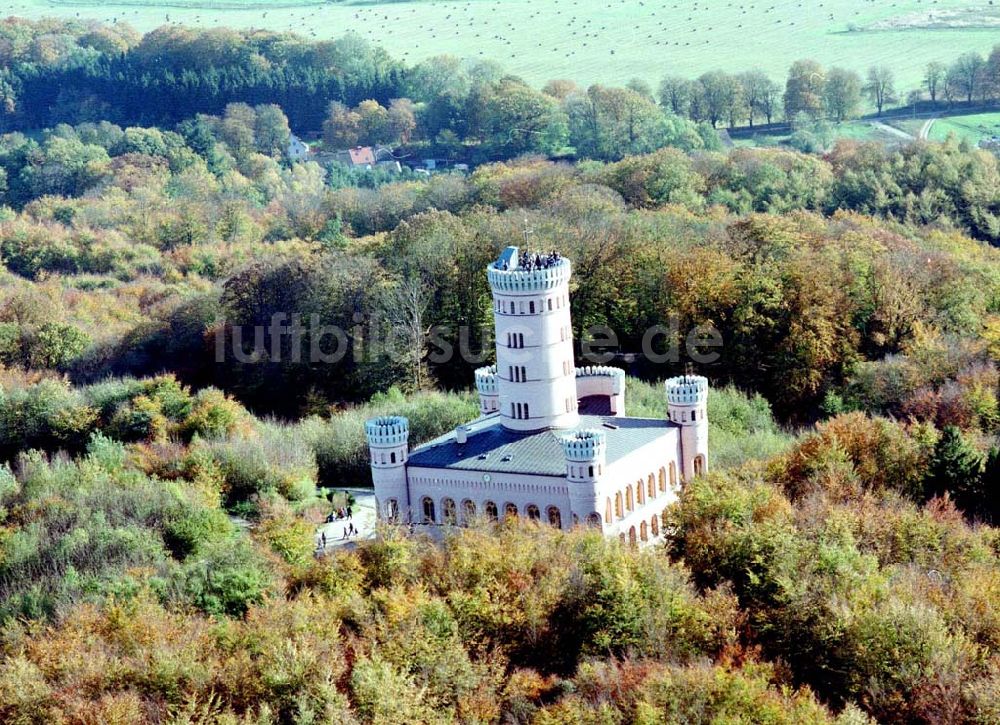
{"x":973,"y":128}
{"x":604,"y":41}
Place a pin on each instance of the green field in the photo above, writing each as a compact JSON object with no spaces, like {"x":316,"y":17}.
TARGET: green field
{"x":851,"y":130}
{"x":973,"y":128}
{"x":607,"y":41}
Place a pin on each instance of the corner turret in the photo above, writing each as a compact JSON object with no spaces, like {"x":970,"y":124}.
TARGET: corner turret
{"x":585,"y":452}
{"x":489,"y":390}
{"x":388,"y":441}
{"x":687,"y":405}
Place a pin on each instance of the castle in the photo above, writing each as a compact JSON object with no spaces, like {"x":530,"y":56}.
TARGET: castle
{"x":552,"y":442}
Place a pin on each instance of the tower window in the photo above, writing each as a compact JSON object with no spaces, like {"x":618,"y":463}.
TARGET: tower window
{"x":550,"y":304}
{"x":531,"y":307}
{"x":526,"y":411}
{"x":392,"y":457}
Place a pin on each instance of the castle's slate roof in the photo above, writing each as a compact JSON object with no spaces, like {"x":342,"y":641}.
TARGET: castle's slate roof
{"x":491,"y":448}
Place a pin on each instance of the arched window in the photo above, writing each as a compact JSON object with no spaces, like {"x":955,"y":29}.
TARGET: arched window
{"x":629,"y":499}
{"x":468,"y":511}
{"x":490,"y":509}
{"x":651,"y":486}
{"x":526,"y":413}
{"x":392,"y":510}
{"x":533,"y":513}
{"x":607,"y":511}
{"x":555,"y":517}
{"x":654,"y":524}
{"x":594,"y":520}
{"x":673,"y":473}
{"x":531,"y":307}
{"x":392,"y":457}
{"x":509,"y":510}
{"x":643,"y":532}
{"x":640,"y":494}
{"x":618,"y":505}
{"x":428,"y":506}
{"x":699,"y":465}
{"x":663,"y":480}
{"x":448,"y":513}
{"x":631,"y":536}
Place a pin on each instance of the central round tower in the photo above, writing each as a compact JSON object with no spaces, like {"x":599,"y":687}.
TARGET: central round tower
{"x":536,"y":374}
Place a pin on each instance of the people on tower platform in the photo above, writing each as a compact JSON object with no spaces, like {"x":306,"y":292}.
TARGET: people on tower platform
{"x":530,"y":262}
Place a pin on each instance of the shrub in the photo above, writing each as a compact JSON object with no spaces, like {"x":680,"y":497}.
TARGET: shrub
{"x":213,"y":414}
{"x":228,"y":578}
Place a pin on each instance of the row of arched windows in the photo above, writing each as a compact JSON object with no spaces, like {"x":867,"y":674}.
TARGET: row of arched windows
{"x":636,"y":494}
{"x":643,"y":533}
{"x":519,"y":411}
{"x":532,"y":306}
{"x":490,"y":511}
{"x":449,"y":512}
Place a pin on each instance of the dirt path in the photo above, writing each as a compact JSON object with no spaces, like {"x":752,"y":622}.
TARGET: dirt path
{"x":892,"y":130}
{"x":925,"y":130}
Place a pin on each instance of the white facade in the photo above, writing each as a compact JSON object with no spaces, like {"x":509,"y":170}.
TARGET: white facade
{"x":297,"y":149}
{"x":552,"y":442}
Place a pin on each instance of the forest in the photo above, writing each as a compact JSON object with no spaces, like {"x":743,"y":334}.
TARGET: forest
{"x":158,"y":501}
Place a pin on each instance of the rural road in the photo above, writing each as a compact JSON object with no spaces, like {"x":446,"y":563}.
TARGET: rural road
{"x":892,"y":130}
{"x":925,"y":130}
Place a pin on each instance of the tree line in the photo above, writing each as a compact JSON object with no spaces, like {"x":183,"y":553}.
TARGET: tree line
{"x":347,"y":90}
{"x":836,"y":94}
